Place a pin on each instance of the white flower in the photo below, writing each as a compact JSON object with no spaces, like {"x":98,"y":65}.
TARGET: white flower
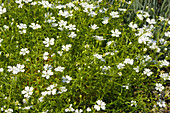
{"x":127,"y":86}
{"x":47,"y":73}
{"x":66,"y":47}
{"x":48,"y":42}
{"x":161,"y":104}
{"x":147,"y":71}
{"x":151,"y":21}
{"x":13,"y":69}
{"x":133,"y":103}
{"x":71,"y":27}
{"x":62,"y":89}
{"x":115,"y":33}
{"x":105,"y":20}
{"x":45,"y":55}
{"x":78,"y":111}
{"x":23,"y":31}
{"x":51,"y":90}
{"x":167,"y":34}
{"x":20,"y":68}
{"x":109,"y":43}
{"x":59,"y":68}
{"x":2,"y":10}
{"x":60,"y":52}
{"x":128,"y":61}
{"x":33,"y":3}
{"x":133,"y":26}
{"x":136,"y":69}
{"x":1,"y":69}
{"x":47,"y":67}
{"x":164,"y":76}
{"x":24,"y":51}
{"x":62,"y":23}
{"x":9,"y":111}
{"x":22,"y":26}
{"x":88,"y":109}
{"x":34,"y":26}
{"x":28,"y":91}
{"x":99,"y":38}
{"x":26,"y":1}
{"x":159,"y":87}
{"x":70,"y":109}
{"x":164,"y":63}
{"x":114,"y":14}
{"x":72,"y":35}
{"x":94,"y":27}
{"x":66,"y":79}
{"x":100,"y":104}
{"x":120,"y":66}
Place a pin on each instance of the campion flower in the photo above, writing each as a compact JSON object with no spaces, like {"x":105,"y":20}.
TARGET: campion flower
{"x":20,"y":68}
{"x":13,"y":69}
{"x":133,"y":103}
{"x":24,"y":51}
{"x":2,"y":10}
{"x":136,"y":69}
{"x":62,"y":23}
{"x":165,"y":76}
{"x":47,"y":74}
{"x":72,"y":35}
{"x":167,"y":34}
{"x":66,"y":47}
{"x":66,"y":79}
{"x":151,"y":21}
{"x":100,"y":38}
{"x":159,"y":87}
{"x":120,"y":66}
{"x":34,"y":26}
{"x":60,"y":52}
{"x":47,"y":67}
{"x":59,"y":68}
{"x":70,"y":109}
{"x":115,"y":33}
{"x":161,"y":104}
{"x":100,"y":105}
{"x":48,"y":42}
{"x":163,"y":63}
{"x":51,"y":90}
{"x":128,"y":61}
{"x":114,"y":14}
{"x":22,"y":26}
{"x":27,"y":92}
{"x":147,"y":72}
{"x":45,"y":55}
{"x":94,"y":27}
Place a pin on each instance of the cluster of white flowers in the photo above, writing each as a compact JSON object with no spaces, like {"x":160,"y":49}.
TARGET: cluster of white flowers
{"x":17,"y":69}
{"x":66,"y":14}
{"x":165,"y":76}
{"x":164,"y":63}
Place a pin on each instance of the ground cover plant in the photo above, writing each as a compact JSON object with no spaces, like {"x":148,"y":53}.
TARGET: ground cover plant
{"x":82,"y":56}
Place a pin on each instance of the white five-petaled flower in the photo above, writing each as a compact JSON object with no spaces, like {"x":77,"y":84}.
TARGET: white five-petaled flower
{"x":51,"y":90}
{"x":9,"y":110}
{"x":133,"y":103}
{"x":28,"y":91}
{"x":167,"y":34}
{"x":78,"y":111}
{"x":24,"y":51}
{"x":147,"y":71}
{"x":45,"y":55}
{"x":128,"y":61}
{"x":22,"y":26}
{"x":94,"y":27}
{"x":100,"y":104}
{"x":1,"y":69}
{"x":2,"y":10}
{"x":70,"y":109}
{"x":120,"y":66}
{"x":48,"y":42}
{"x":20,"y":68}
{"x":47,"y":73}
{"x":151,"y":21}
{"x":66,"y":79}
{"x":59,"y":68}
{"x":136,"y":69}
{"x":88,"y":109}
{"x":133,"y":26}
{"x":105,"y":20}
{"x":72,"y":35}
{"x":159,"y":87}
{"x":161,"y":104}
{"x":114,"y":14}
{"x":34,"y":26}
{"x":66,"y":47}
{"x":60,"y":52}
{"x":115,"y":33}
{"x":13,"y":69}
